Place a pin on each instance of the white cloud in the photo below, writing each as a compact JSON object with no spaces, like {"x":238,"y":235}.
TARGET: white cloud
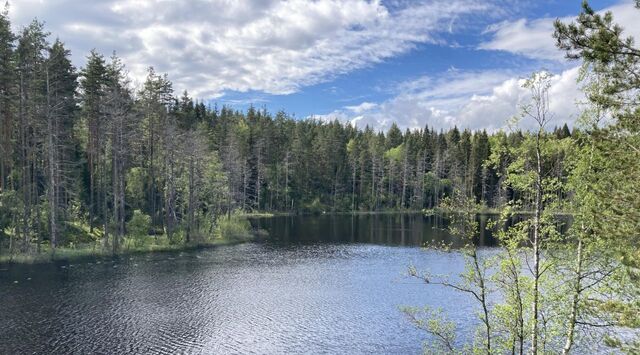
{"x":332,"y":116}
{"x":529,"y":38}
{"x":533,"y":38}
{"x":272,"y":46}
{"x":365,"y":106}
{"x":474,"y":100}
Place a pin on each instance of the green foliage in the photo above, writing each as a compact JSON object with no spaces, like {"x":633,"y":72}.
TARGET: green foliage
{"x":314,"y":206}
{"x":235,"y":228}
{"x":396,"y":154}
{"x":76,"y":233}
{"x":607,"y":163}
{"x":435,"y":323}
{"x":550,"y":287}
{"x":474,"y":281}
{"x":10,"y":207}
{"x":135,"y":184}
{"x":602,"y":45}
{"x":139,"y":227}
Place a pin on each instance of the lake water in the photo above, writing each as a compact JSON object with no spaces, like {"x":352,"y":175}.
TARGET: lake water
{"x":318,"y":285}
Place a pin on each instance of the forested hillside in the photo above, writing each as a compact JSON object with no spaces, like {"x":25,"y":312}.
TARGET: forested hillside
{"x":83,"y":149}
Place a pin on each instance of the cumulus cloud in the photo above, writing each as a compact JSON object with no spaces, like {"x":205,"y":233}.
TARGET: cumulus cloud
{"x":272,"y":46}
{"x":533,"y":38}
{"x":365,"y":106}
{"x":474,"y":100}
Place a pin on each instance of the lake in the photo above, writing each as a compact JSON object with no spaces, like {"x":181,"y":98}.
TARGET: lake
{"x":319,"y":284}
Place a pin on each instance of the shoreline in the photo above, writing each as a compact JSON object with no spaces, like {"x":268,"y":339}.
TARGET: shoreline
{"x":426,"y":212}
{"x":63,"y":255}
{"x":66,"y":254}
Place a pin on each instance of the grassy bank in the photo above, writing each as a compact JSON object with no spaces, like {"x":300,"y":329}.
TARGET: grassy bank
{"x":99,"y":252}
{"x":234,"y":230}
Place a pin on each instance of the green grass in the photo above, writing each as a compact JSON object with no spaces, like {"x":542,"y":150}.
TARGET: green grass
{"x":80,"y":242}
{"x":95,"y":251}
{"x":84,"y":244}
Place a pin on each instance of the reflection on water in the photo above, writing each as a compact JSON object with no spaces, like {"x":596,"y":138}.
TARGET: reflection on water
{"x":408,"y":229}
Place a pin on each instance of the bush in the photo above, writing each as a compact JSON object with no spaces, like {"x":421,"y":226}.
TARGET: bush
{"x":314,"y":207}
{"x":138,"y":227}
{"x":235,"y":228}
{"x":77,"y":233}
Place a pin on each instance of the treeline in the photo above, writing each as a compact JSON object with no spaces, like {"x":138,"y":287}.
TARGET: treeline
{"x":276,"y":163}
{"x":82,"y":148}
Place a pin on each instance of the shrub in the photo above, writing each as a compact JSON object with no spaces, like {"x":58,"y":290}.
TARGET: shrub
{"x":235,"y":228}
{"x":138,"y":227}
{"x":314,"y":207}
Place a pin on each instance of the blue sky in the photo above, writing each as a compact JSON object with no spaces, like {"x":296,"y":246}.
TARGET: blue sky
{"x":375,"y":83}
{"x":415,"y":62}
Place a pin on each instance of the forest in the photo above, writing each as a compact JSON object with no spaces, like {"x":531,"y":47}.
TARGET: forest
{"x":89,"y":161}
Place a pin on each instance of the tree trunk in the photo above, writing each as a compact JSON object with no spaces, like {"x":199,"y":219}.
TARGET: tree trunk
{"x":51,"y":154}
{"x":353,"y":188}
{"x":536,"y":247}
{"x":405,"y":168}
{"x":116,"y":194}
{"x":574,"y":301}
{"x":191,"y":199}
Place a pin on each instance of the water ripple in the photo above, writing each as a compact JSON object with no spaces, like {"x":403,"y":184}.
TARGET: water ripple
{"x":244,"y":299}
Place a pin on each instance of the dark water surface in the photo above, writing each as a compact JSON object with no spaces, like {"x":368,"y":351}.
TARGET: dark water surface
{"x":320,"y":285}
